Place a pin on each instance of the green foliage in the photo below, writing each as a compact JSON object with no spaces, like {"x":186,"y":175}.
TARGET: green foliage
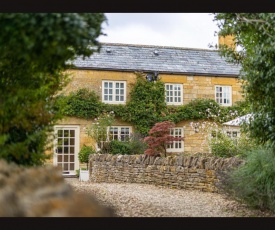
{"x":98,"y":130}
{"x":118,"y":110}
{"x":24,"y":148}
{"x":133,"y":146}
{"x":84,"y":154}
{"x":120,"y":147}
{"x":137,"y":144}
{"x":196,"y":109}
{"x":255,"y":34}
{"x":77,"y":172}
{"x":201,"y":108}
{"x":254,"y":182}
{"x":82,"y":103}
{"x":147,"y":104}
{"x":223,"y":146}
{"x":35,"y":51}
{"x":228,"y":113}
{"x":104,"y":147}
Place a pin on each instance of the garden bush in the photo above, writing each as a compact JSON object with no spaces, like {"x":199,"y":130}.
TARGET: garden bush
{"x":133,"y":146}
{"x":254,"y":181}
{"x":84,"y":154}
{"x":224,"y":146}
{"x":119,"y":147}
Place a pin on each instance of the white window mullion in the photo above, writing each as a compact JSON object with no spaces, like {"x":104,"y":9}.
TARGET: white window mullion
{"x":174,"y":94}
{"x":116,"y":132}
{"x":114,"y":92}
{"x":176,"y":146}
{"x":223,"y":95}
{"x":119,"y":134}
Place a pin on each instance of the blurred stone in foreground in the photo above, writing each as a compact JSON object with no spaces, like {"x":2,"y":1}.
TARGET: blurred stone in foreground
{"x":43,"y":192}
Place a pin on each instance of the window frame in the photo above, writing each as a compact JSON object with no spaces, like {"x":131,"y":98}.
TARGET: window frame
{"x":113,"y":92}
{"x":233,"y":134}
{"x":223,"y":97}
{"x":181,"y":91}
{"x":173,"y":149}
{"x":72,"y":161}
{"x":119,"y":132}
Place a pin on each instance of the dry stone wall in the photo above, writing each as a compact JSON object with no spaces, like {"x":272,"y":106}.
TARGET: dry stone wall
{"x":43,"y":192}
{"x":181,"y":172}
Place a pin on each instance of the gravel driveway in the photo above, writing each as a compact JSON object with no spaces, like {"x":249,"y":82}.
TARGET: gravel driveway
{"x":143,"y":200}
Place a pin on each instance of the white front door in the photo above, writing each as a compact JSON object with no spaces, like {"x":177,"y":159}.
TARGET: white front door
{"x":66,"y":148}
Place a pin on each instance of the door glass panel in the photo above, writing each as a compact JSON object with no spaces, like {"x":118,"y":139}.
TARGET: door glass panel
{"x":72,"y":132}
{"x":66,"y":141}
{"x":66,"y":133}
{"x":59,"y":133}
{"x":59,"y":142}
{"x":66,"y":149}
{"x":71,"y":141}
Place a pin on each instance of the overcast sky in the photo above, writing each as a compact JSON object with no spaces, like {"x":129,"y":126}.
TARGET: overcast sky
{"x":191,"y":30}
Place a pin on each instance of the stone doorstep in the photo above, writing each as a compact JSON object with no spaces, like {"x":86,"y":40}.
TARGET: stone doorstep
{"x":70,"y":176}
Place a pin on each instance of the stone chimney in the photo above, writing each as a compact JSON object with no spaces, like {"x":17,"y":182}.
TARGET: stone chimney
{"x":227,"y":40}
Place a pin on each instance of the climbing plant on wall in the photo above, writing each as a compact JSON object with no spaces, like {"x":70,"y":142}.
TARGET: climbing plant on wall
{"x":82,"y":103}
{"x":147,"y":106}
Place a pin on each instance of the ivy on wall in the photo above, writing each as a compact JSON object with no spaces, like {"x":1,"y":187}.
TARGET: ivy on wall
{"x":147,"y":106}
{"x":206,"y":109}
{"x":82,"y":103}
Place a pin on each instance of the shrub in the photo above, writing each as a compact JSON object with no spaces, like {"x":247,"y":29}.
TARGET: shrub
{"x":37,"y":49}
{"x":159,"y":138}
{"x":77,"y":172}
{"x":98,"y":130}
{"x":254,"y":181}
{"x":245,"y":145}
{"x":119,"y":147}
{"x":133,"y":146}
{"x":83,"y":103}
{"x":137,"y":144}
{"x":84,"y":154}
{"x":224,"y":146}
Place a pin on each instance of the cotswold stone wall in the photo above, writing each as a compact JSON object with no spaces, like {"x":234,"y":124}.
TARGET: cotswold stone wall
{"x":43,"y":192}
{"x":181,"y":172}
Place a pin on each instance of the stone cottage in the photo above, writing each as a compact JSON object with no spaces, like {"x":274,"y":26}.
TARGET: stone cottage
{"x":187,"y":73}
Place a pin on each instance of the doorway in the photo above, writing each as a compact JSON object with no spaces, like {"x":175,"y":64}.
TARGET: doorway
{"x":66,"y":148}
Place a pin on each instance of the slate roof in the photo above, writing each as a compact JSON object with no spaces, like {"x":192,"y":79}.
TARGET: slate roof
{"x":240,"y":120}
{"x":162,"y":59}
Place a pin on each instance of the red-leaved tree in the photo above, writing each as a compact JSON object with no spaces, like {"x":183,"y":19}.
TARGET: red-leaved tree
{"x":159,"y":138}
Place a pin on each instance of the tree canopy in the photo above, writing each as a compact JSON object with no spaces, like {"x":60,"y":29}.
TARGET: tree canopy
{"x":255,"y":34}
{"x":35,"y":51}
